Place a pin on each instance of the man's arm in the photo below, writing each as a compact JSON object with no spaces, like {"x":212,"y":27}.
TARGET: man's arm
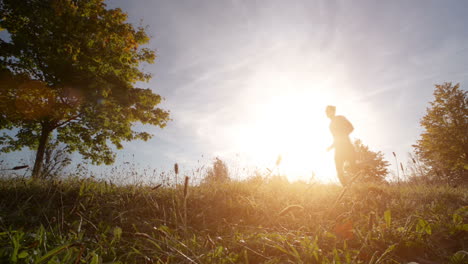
{"x":348,"y":124}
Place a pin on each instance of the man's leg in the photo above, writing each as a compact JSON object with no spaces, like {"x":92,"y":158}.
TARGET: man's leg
{"x":351,"y":169}
{"x":339,"y":163}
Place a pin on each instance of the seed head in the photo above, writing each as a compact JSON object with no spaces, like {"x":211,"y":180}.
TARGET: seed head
{"x":20,"y":167}
{"x":278,"y":161}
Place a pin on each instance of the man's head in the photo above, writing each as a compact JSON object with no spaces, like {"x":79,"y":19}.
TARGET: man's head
{"x":330,"y":111}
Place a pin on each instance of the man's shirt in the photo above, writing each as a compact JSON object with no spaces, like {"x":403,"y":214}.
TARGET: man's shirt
{"x":340,"y":128}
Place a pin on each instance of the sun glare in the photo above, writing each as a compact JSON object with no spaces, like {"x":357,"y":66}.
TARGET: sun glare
{"x":284,"y":104}
{"x":294,"y":126}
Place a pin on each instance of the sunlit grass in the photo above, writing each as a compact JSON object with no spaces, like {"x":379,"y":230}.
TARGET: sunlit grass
{"x":258,"y":220}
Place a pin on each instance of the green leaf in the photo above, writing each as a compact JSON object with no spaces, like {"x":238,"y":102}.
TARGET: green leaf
{"x":218,"y":251}
{"x":23,"y":254}
{"x":460,"y":257}
{"x":95,"y":259}
{"x":387,"y":251}
{"x":16,"y":246}
{"x":388,"y":218}
{"x":423,"y":227}
{"x":117,"y":233}
{"x":336,"y":258}
{"x":457,"y":219}
{"x":52,"y":253}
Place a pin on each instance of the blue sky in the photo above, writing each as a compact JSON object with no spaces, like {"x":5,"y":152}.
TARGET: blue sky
{"x":249,"y":80}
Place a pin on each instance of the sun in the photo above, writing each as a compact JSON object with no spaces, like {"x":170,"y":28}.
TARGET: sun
{"x":282,"y":103}
{"x":294,"y":126}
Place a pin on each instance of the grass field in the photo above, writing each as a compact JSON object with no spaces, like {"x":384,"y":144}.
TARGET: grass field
{"x":78,"y":220}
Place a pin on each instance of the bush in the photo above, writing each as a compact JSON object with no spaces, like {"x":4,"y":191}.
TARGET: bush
{"x":218,"y":173}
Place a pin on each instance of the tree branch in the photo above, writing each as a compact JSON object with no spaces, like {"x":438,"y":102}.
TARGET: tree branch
{"x":67,"y":121}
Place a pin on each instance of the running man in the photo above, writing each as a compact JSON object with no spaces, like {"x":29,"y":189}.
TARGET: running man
{"x":340,"y":128}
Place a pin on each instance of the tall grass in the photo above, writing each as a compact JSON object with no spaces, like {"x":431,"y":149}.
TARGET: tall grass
{"x":78,"y":220}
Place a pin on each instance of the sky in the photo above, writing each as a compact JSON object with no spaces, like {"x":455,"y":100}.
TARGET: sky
{"x":247,"y":81}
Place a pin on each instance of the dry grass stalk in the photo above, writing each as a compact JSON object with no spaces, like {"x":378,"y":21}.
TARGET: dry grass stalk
{"x":290,"y":208}
{"x":186,"y":183}
{"x":157,"y":186}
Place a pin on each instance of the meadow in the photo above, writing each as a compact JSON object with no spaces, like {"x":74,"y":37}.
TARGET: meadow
{"x":257,"y":220}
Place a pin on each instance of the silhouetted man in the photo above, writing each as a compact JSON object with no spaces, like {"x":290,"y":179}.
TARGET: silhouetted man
{"x":340,"y":128}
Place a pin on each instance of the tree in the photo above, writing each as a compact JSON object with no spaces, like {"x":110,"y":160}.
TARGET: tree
{"x":370,"y":164}
{"x":69,"y":72}
{"x":218,"y":173}
{"x":443,"y":144}
{"x":56,"y":159}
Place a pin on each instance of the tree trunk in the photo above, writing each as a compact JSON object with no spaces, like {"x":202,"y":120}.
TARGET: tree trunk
{"x":43,"y":140}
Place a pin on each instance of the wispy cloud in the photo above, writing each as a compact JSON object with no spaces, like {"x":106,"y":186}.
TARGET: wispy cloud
{"x":371,"y":51}
{"x":220,"y":62}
